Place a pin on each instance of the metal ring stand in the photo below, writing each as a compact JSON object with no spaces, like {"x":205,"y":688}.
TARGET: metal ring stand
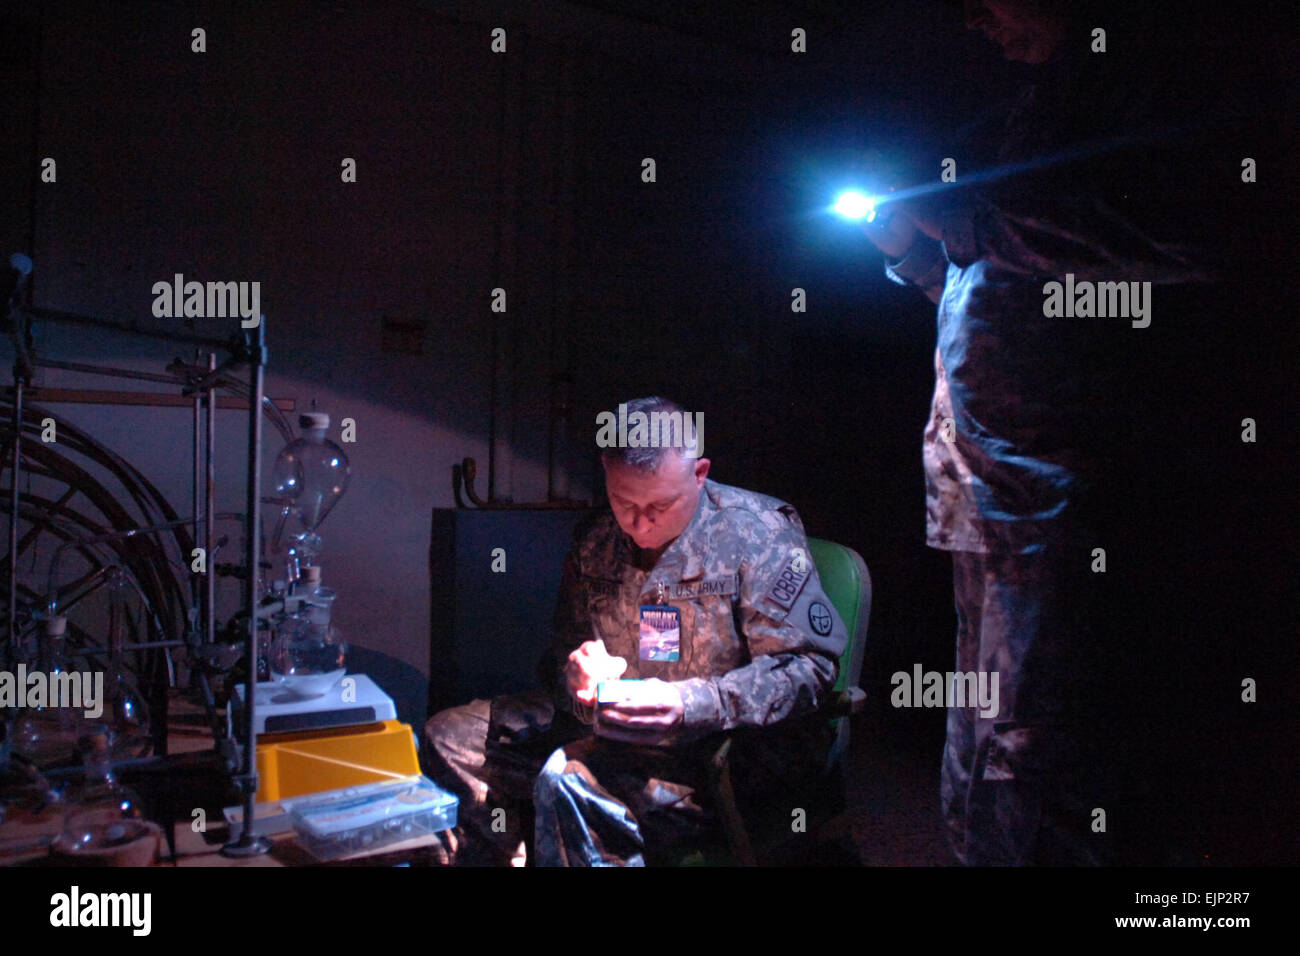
{"x":133,"y":544}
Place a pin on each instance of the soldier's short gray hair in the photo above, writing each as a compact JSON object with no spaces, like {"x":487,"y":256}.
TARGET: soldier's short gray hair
{"x":649,"y":458}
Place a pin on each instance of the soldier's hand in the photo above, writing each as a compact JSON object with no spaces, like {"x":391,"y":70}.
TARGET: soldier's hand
{"x":892,"y":231}
{"x":588,"y":666}
{"x":648,"y":711}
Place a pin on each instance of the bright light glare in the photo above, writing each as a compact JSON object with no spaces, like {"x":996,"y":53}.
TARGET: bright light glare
{"x":855,"y":205}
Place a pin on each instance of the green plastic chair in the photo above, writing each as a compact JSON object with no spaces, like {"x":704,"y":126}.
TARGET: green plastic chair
{"x":847,"y":583}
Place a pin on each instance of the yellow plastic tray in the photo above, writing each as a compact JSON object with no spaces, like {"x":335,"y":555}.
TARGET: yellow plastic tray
{"x":309,"y":761}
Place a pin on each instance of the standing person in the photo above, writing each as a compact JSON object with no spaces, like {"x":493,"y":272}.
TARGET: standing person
{"x":1027,"y":407}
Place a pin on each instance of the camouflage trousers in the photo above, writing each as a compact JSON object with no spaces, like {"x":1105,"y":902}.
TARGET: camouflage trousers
{"x":595,"y":802}
{"x":1023,"y":786}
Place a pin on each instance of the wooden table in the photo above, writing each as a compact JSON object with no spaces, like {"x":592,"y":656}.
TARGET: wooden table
{"x":25,"y":836}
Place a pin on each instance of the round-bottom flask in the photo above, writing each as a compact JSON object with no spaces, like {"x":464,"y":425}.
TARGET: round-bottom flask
{"x":103,"y":814}
{"x":309,"y":655}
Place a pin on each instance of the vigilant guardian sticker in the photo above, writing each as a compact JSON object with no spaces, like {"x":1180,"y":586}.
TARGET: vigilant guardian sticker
{"x":661,"y":632}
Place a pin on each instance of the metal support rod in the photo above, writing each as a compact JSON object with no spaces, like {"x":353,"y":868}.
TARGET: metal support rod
{"x":181,"y":375}
{"x":210,"y":512}
{"x":247,"y":844}
{"x":210,"y":708}
{"x":219,"y":372}
{"x":198,"y":500}
{"x":137,"y":646}
{"x":108,"y":370}
{"x":73,"y":318}
{"x":51,"y":589}
{"x":11,"y":644}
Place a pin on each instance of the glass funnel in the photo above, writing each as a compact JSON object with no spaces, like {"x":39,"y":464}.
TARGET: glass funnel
{"x":311,"y":474}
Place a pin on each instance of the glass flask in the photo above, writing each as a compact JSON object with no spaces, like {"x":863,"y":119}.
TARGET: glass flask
{"x":102,"y":813}
{"x":309,"y":655}
{"x":124,"y":701}
{"x":47,"y":735}
{"x":311,"y":474}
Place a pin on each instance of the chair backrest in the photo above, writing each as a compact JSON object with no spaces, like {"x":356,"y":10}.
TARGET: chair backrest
{"x":847,"y":582}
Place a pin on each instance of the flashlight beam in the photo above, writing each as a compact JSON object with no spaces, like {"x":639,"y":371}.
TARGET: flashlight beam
{"x":855,"y":205}
{"x":1042,"y":162}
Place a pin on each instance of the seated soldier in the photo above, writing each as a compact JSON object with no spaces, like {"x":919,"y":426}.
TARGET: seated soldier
{"x":703,"y":599}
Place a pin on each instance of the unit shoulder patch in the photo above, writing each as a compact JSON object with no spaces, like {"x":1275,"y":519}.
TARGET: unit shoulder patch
{"x":791,"y":580}
{"x":819,"y":618}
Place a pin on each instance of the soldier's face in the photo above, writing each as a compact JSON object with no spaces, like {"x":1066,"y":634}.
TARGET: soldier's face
{"x":1025,"y":29}
{"x":655,"y":507}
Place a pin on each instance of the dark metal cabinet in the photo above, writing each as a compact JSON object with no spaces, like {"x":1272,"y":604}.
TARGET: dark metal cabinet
{"x":489,"y":629}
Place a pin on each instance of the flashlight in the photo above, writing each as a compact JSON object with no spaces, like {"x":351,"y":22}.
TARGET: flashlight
{"x":852,"y":204}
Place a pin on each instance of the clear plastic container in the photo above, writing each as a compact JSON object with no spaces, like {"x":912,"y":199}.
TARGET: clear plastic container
{"x":355,"y":819}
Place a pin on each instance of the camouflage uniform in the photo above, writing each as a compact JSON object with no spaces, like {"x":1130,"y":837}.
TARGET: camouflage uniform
{"x":760,"y":643}
{"x":1024,"y":413}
